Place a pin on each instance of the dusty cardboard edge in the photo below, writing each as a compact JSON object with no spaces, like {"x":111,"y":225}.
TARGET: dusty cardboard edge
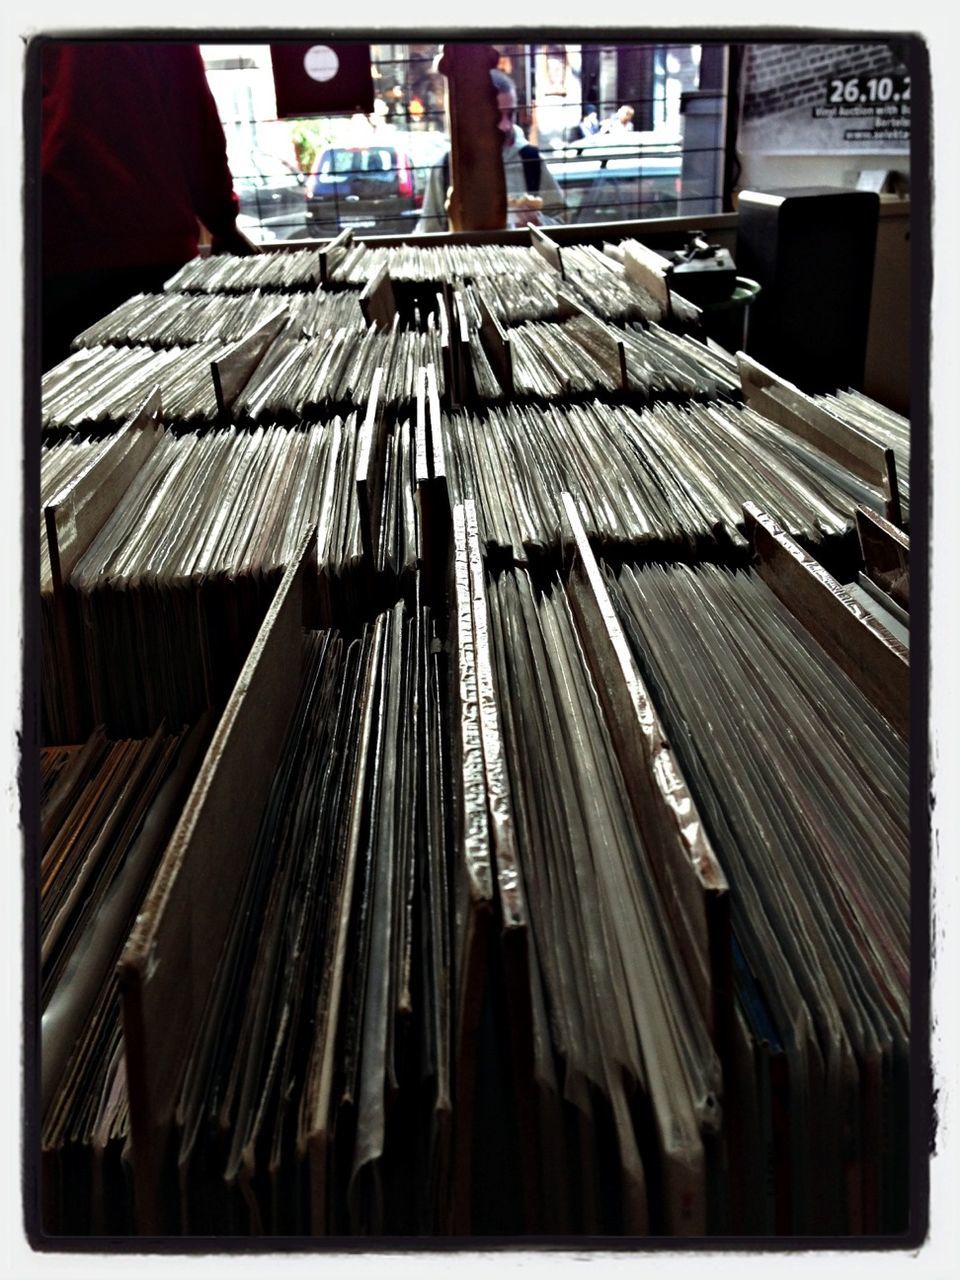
{"x":825,"y":582}
{"x":675,"y":795}
{"x":137,"y":951}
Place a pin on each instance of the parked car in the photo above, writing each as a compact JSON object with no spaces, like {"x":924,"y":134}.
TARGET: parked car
{"x":606,"y":178}
{"x":378,"y":185}
{"x":271,"y":197}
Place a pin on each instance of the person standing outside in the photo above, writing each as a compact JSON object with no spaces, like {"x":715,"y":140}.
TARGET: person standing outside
{"x":533,"y":196}
{"x":622,"y":122}
{"x":589,"y":121}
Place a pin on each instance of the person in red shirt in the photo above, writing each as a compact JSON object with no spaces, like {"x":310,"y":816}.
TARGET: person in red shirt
{"x":133,"y":160}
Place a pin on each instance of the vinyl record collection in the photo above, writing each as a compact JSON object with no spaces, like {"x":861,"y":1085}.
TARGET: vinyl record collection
{"x":447,"y":829}
{"x":174,"y":320}
{"x":879,"y":423}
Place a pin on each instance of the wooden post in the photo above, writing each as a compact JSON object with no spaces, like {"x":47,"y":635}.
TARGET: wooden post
{"x":478,"y":199}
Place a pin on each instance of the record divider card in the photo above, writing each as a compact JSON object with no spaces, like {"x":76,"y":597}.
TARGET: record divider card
{"x":876,"y":662}
{"x":781,"y":402}
{"x":233,"y":370}
{"x":333,"y":254}
{"x":170,"y":960}
{"x":692,"y":881}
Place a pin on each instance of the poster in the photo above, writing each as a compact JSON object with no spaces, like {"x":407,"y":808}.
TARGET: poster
{"x":825,"y":99}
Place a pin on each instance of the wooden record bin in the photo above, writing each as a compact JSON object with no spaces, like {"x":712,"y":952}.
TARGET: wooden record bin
{"x":171,"y":963}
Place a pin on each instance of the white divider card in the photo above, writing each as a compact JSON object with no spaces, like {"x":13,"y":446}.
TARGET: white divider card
{"x":649,"y":270}
{"x":378,"y":301}
{"x":232,"y":371}
{"x":435,"y":421}
{"x":371,"y":460}
{"x":422,"y":446}
{"x":548,"y":250}
{"x":333,"y":254}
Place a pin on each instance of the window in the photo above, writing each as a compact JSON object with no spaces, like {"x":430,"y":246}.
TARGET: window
{"x":644,"y":152}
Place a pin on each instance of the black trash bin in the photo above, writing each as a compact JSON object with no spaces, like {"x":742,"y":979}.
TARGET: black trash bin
{"x":726,"y":321}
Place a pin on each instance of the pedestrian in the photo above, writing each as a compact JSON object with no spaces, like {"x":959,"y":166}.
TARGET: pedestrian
{"x":533,"y":196}
{"x":622,"y":122}
{"x":589,"y":121}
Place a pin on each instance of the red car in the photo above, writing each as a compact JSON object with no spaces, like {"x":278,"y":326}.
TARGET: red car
{"x":373,"y":185}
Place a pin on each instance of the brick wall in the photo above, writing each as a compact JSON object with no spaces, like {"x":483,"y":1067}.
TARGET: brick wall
{"x":781,"y":77}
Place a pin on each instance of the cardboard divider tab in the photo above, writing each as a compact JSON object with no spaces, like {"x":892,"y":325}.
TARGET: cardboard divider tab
{"x":693,"y":885}
{"x":548,"y":250}
{"x":860,"y":645}
{"x":650,"y":270}
{"x":377,"y":299}
{"x":233,"y":370}
{"x":496,"y":343}
{"x":170,"y":959}
{"x":785,"y":404}
{"x":332,"y":254}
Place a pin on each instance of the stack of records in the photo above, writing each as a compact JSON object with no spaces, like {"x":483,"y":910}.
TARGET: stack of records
{"x":274,"y":272}
{"x":803,"y":787}
{"x":170,"y":592}
{"x":106,"y":811}
{"x":97,"y":388}
{"x":474,"y":981}
{"x":601,"y":284}
{"x":455,"y":263}
{"x":299,"y":378}
{"x":671,"y":475}
{"x":626,"y":1080}
{"x":317,"y":1095}
{"x":174,"y":320}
